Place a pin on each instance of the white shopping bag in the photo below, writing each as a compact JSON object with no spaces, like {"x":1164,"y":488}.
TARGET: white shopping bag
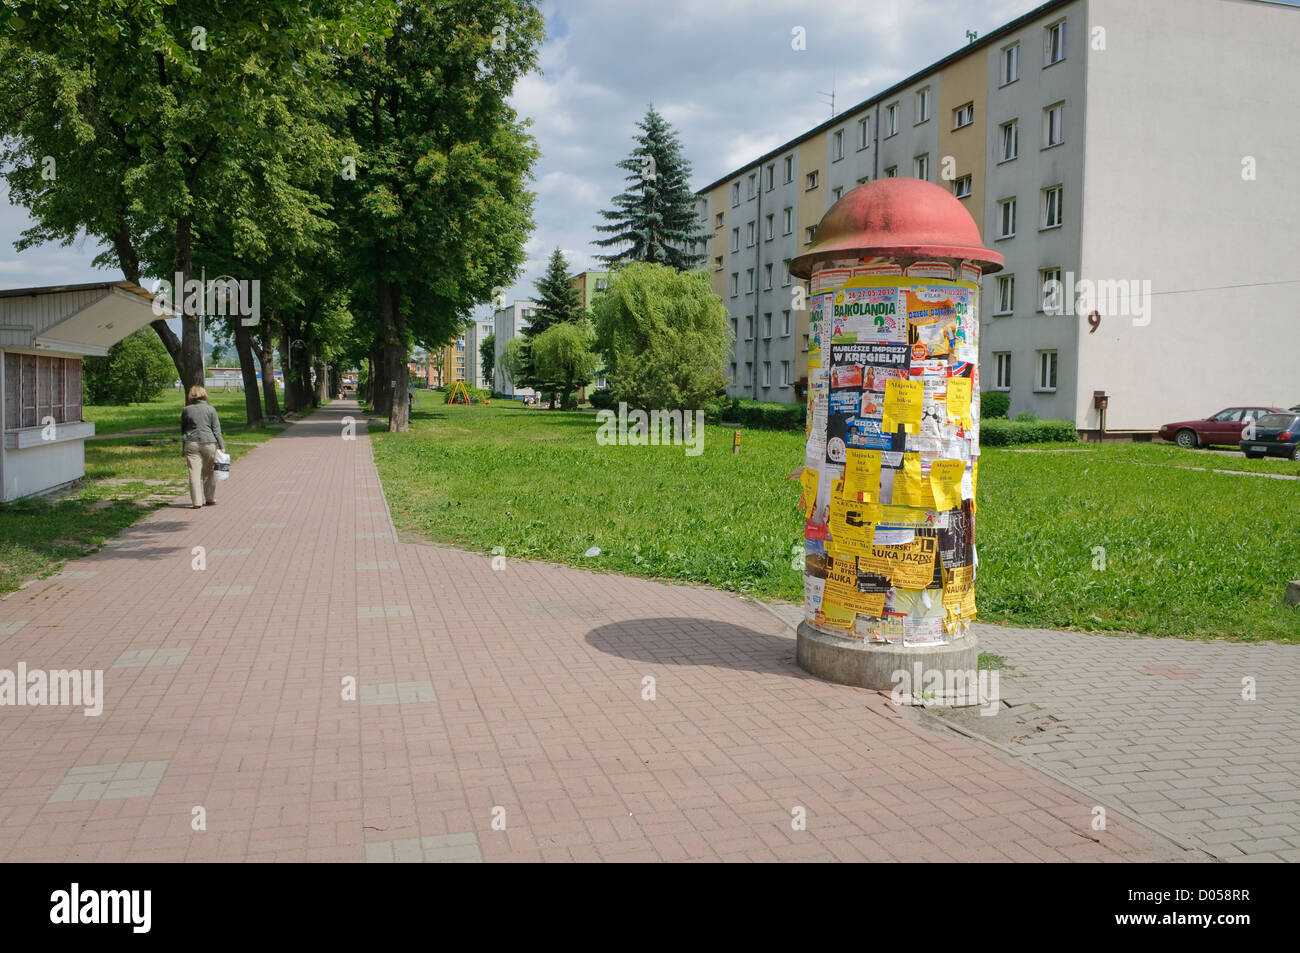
{"x":221,"y":468}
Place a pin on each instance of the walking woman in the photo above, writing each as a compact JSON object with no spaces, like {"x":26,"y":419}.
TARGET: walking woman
{"x":200,"y":439}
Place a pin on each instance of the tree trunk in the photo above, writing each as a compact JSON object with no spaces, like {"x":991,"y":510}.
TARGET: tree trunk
{"x":244,"y":345}
{"x":266,"y":354}
{"x":392,"y":333}
{"x":191,"y":339}
{"x":321,"y":393}
{"x":291,"y":402}
{"x":380,"y":392}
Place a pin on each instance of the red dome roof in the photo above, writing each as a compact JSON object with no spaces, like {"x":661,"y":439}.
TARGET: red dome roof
{"x":897,"y":218}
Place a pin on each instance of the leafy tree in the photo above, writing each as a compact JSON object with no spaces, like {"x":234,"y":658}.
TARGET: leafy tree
{"x":562,"y":353}
{"x":487,"y":355}
{"x":148,"y":113}
{"x":512,"y":360}
{"x":664,"y":336}
{"x":137,"y":369}
{"x":558,"y":302}
{"x":438,"y":211}
{"x":655,"y":216}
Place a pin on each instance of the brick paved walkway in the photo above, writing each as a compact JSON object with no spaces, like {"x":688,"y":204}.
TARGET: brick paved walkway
{"x":1160,"y":727}
{"x":514,"y":696}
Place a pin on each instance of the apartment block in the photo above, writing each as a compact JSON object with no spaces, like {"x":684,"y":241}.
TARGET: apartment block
{"x":1130,"y":161}
{"x":589,"y":284}
{"x":506,"y":324}
{"x":475,"y":334}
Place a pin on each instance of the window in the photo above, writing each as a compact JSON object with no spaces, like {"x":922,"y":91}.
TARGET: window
{"x":922,"y":105}
{"x":891,"y":112}
{"x":1010,"y":140}
{"x":962,"y":187}
{"x":785,"y":374}
{"x":1046,"y":370}
{"x":735,"y":239}
{"x":1010,"y":64}
{"x":767,"y":324}
{"x":749,"y":327}
{"x":837,"y":145}
{"x":749,"y":280}
{"x":767,"y":373}
{"x":1054,"y":50}
{"x":603,"y":283}
{"x":808,"y":234}
{"x":717,"y":263}
{"x":753,"y":185}
{"x":863,"y":180}
{"x":789,"y":168}
{"x":785,"y":324}
{"x":735,"y":194}
{"x":891,"y":172}
{"x":767,"y":283}
{"x":770,"y":228}
{"x":735,"y":284}
{"x":717,"y":220}
{"x":813,"y":179}
{"x":39,"y":387}
{"x":1232,"y":413}
{"x":785,"y":273}
{"x":749,"y":234}
{"x":1006,"y":218}
{"x":864,"y":137}
{"x":963,"y":115}
{"x":1049,"y":283}
{"x":749,"y":374}
{"x":1003,"y":376}
{"x":771,"y":176}
{"x":837,"y":193}
{"x":1053,"y":125}
{"x":786,"y":221}
{"x":921,"y":167}
{"x":1052,"y":207}
{"x":1006,"y":294}
{"x":805,"y":342}
{"x":735,"y":331}
{"x":733,"y":373}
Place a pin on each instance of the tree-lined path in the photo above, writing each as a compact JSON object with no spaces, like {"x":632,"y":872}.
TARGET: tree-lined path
{"x":515,"y":695}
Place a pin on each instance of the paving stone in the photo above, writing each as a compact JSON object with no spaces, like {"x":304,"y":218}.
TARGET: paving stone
{"x":150,"y":658}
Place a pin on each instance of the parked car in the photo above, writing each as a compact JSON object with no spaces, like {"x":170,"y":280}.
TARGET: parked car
{"x":1222,"y":429}
{"x":1276,"y":435}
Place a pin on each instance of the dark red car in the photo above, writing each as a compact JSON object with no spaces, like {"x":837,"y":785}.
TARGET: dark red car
{"x":1222,"y":429}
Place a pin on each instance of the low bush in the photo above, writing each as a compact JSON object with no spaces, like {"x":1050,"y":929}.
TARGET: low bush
{"x":1003,"y":433}
{"x":601,"y":399}
{"x":765,"y":415}
{"x":993,"y":404}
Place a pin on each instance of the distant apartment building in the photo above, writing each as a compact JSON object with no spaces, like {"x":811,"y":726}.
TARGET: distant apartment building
{"x":475,"y":334}
{"x":1131,"y":161}
{"x":506,"y":324}
{"x":589,"y":284}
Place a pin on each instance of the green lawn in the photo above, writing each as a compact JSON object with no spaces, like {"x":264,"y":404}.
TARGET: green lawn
{"x":1187,"y":552}
{"x":126,"y":478}
{"x":163,"y":412}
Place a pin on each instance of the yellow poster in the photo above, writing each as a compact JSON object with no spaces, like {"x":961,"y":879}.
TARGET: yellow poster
{"x":909,"y":566}
{"x":959,"y":400}
{"x":862,"y":474}
{"x":809,"y":481}
{"x":903,"y":401}
{"x":908,"y":489}
{"x":945,"y":483}
{"x":959,"y":591}
{"x":851,"y":526}
{"x":842,"y":589}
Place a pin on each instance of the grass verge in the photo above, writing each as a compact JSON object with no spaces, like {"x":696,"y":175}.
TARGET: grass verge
{"x":1186,"y":553}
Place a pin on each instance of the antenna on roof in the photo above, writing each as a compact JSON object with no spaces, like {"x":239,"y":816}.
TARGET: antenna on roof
{"x":971,"y":36}
{"x":831,"y":101}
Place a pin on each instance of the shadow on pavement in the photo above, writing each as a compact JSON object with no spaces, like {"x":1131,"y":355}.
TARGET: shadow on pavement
{"x":688,"y":641}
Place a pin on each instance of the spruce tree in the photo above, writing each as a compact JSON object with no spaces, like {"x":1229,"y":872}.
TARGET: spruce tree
{"x":558,"y":302}
{"x":655,"y":216}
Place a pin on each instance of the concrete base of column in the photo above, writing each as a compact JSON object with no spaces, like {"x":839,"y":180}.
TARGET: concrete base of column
{"x":872,"y":665}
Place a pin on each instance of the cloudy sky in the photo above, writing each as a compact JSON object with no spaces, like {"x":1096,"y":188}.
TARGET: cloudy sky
{"x":722,"y":71}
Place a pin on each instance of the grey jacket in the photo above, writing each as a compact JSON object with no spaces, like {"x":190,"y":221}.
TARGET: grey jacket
{"x":199,"y":424}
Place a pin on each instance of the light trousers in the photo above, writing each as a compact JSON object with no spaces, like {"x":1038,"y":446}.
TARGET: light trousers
{"x":199,"y":458}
